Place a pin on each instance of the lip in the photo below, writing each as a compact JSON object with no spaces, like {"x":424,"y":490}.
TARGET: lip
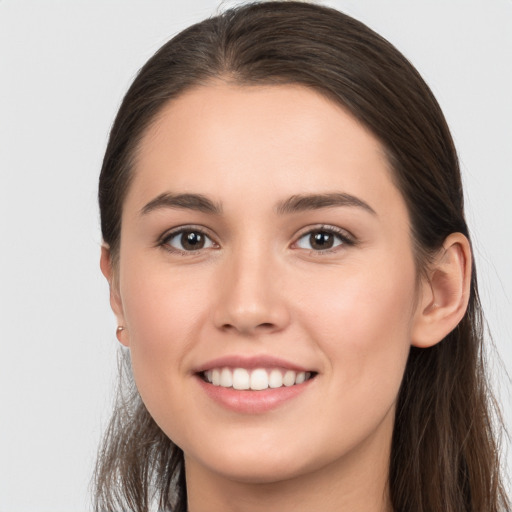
{"x":252,"y":402}
{"x":250,"y":363}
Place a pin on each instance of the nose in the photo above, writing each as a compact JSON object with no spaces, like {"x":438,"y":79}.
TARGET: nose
{"x":252,"y":294}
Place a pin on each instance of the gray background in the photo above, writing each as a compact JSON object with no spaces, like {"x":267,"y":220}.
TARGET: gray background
{"x":64,"y":67}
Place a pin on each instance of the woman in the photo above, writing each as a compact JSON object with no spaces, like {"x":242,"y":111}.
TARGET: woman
{"x":291,"y":271}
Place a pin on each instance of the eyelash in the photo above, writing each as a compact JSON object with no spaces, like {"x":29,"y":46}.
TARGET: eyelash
{"x":169,"y":235}
{"x":343,"y":237}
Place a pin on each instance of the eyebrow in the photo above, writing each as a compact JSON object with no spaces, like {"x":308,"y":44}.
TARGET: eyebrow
{"x":304,"y":202}
{"x":294,"y":204}
{"x":196,"y":202}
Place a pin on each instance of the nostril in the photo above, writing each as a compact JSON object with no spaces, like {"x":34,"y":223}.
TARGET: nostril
{"x":263,"y":326}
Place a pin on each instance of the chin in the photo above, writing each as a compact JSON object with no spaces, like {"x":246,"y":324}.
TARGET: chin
{"x":259,"y":464}
{"x":258,"y":471}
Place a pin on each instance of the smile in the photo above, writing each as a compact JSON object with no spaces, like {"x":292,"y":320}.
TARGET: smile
{"x":256,"y":379}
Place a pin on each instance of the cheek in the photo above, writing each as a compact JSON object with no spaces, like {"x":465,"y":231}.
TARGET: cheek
{"x":363,"y":327}
{"x":160,"y":303}
{"x":164,"y":314}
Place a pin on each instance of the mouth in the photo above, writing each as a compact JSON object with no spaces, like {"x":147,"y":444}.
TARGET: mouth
{"x":254,"y":379}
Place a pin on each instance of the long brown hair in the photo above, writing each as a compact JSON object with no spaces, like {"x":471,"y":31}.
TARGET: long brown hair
{"x":445,"y":453}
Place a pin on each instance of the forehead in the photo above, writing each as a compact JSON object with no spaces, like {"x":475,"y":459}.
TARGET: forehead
{"x":231,"y":142}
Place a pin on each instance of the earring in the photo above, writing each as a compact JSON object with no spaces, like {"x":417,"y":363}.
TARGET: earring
{"x":119,"y":330}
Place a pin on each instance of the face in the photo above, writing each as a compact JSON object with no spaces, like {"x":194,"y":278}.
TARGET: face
{"x":264,"y":245}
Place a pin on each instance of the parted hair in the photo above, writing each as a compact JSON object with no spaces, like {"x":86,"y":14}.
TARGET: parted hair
{"x":445,"y":446}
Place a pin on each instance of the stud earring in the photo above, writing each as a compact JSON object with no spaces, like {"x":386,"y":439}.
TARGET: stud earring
{"x":119,"y":330}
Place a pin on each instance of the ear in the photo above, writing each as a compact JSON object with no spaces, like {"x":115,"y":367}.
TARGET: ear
{"x":444,"y":293}
{"x":107,"y":269}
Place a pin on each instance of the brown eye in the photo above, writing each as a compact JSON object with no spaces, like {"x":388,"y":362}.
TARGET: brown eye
{"x":321,"y":239}
{"x":188,"y":240}
{"x":192,"y":240}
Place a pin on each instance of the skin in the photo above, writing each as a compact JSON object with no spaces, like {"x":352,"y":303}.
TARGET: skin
{"x":349,"y":313}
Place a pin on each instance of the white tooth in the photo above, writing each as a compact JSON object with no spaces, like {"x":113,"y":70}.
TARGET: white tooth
{"x":301,"y":377}
{"x":241,"y":379}
{"x":226,"y":378}
{"x":308,"y":375}
{"x":259,"y":379}
{"x":208,"y":375}
{"x":289,"y":378}
{"x":216,"y":377}
{"x":275,"y":379}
